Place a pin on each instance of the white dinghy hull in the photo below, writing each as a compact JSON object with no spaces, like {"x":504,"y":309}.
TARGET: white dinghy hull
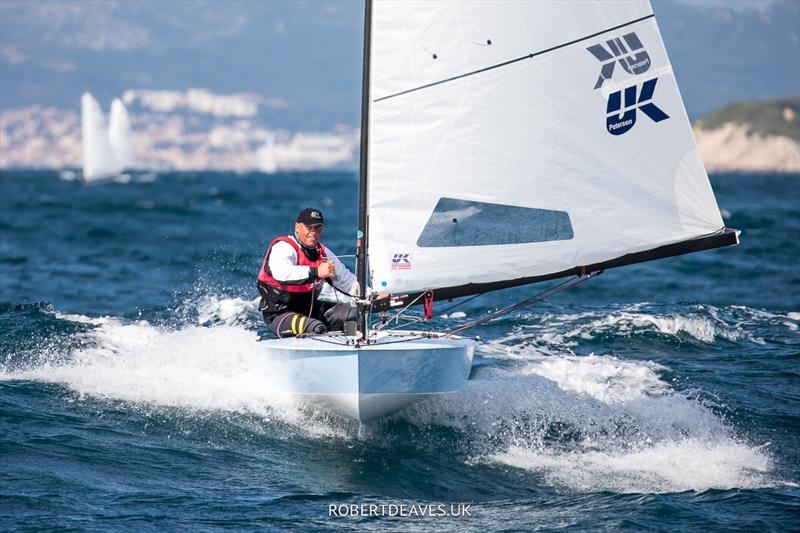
{"x":372,"y":381}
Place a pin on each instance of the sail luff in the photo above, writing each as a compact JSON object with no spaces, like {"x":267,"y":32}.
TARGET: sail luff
{"x":362,"y":236}
{"x":530,"y":55}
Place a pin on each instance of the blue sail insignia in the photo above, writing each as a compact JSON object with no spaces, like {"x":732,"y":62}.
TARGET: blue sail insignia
{"x":618,"y":123}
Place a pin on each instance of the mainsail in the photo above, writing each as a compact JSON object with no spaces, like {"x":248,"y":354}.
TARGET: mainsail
{"x":119,"y":134}
{"x":98,"y":158}
{"x":511,"y":142}
{"x":106,"y":150}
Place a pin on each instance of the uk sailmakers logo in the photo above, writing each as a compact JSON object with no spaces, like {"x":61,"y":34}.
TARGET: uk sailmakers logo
{"x":620,"y":119}
{"x":401,"y":262}
{"x":622,"y":105}
{"x":634,"y":59}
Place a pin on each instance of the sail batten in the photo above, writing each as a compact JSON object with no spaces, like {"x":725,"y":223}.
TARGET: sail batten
{"x":529,"y":55}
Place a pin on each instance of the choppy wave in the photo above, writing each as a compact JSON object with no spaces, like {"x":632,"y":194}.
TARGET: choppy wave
{"x":671,"y":466}
{"x":598,"y":423}
{"x":607,"y":379}
{"x":192,"y":367}
{"x":702,"y":324}
{"x":221,"y":310}
{"x":580,"y":423}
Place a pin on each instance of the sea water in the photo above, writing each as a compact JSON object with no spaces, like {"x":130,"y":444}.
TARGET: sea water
{"x":133,"y":391}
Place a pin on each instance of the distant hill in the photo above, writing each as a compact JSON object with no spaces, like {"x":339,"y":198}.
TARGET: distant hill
{"x":751,"y":137}
{"x":780,"y":117}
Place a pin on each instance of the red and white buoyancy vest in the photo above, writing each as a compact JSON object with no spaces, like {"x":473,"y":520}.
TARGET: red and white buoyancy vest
{"x":265,"y":277}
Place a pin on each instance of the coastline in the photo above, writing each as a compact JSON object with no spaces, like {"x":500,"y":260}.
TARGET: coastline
{"x":731,"y":148}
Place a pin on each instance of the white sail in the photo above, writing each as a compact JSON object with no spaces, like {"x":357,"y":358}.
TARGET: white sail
{"x":98,"y":159}
{"x":119,"y":133}
{"x":266,"y":156}
{"x":517,"y":139}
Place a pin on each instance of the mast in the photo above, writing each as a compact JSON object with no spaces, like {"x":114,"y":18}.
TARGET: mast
{"x":361,"y":243}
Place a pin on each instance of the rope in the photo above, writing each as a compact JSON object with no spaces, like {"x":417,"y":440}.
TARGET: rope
{"x":560,"y":287}
{"x":403,"y":310}
{"x":415,"y":320}
{"x":403,"y":340}
{"x":319,"y":338}
{"x":459,"y":304}
{"x":409,"y":322}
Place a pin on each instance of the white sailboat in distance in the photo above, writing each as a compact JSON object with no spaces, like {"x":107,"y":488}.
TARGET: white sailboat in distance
{"x":266,"y":156}
{"x":106,"y":148}
{"x":119,"y":134}
{"x":503,"y":143}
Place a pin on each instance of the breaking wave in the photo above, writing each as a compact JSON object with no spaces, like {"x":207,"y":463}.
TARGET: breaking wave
{"x":194,"y":367}
{"x":576,"y":422}
{"x":598,"y":423}
{"x":699,"y":323}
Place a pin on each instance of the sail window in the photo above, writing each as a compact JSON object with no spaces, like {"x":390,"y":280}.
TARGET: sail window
{"x":467,"y":223}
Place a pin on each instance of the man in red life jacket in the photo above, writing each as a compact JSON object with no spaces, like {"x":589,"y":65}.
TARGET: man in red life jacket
{"x":291,"y":278}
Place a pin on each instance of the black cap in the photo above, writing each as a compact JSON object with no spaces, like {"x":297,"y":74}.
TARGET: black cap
{"x":310,"y":217}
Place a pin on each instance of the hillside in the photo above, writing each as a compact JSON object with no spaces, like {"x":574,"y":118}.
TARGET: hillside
{"x":780,"y":117}
{"x":751,"y":137}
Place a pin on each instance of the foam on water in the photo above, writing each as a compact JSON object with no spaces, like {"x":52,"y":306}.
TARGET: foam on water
{"x":578,"y":423}
{"x":216,"y":309}
{"x":196,"y":368}
{"x":597,"y":423}
{"x":703,"y":323}
{"x":605,"y":378}
{"x":671,"y":466}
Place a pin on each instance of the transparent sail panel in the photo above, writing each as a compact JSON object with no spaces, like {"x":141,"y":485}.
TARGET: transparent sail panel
{"x":468,"y":223}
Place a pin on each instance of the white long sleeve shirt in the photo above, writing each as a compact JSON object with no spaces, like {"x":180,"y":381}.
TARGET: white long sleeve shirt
{"x":283,"y":266}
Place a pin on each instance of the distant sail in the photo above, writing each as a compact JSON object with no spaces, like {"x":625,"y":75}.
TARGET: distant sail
{"x":266,"y":156}
{"x":99,"y":160}
{"x":119,"y":133}
{"x":521,"y":139}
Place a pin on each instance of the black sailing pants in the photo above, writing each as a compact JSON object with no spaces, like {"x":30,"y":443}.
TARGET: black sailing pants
{"x":288,"y":324}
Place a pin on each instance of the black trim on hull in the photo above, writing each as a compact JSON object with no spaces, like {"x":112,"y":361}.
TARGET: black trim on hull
{"x":726,"y":237}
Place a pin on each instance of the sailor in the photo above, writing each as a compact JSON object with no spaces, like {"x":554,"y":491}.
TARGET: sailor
{"x":291,"y":278}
